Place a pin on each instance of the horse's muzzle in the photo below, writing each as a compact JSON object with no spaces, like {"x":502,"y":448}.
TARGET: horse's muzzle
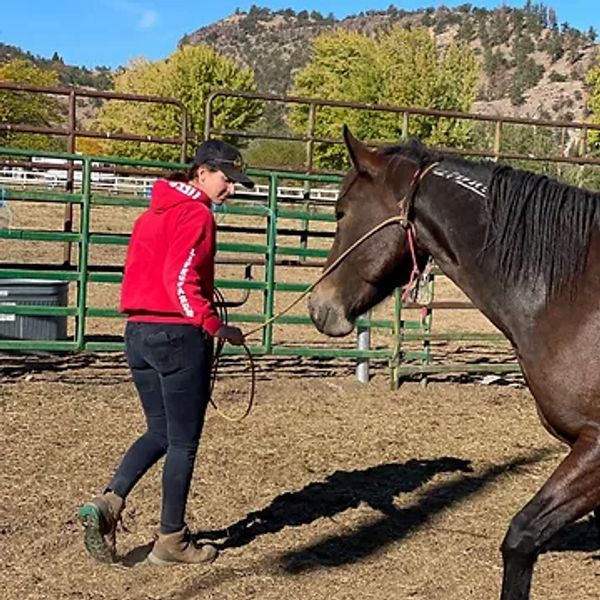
{"x":328,"y":319}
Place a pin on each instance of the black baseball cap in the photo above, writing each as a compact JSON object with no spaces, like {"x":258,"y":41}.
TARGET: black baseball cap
{"x":226,"y":158}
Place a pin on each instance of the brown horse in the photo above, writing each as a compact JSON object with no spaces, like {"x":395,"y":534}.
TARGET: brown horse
{"x":526,"y":250}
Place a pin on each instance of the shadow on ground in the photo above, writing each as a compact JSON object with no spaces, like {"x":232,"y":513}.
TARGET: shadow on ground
{"x":376,"y":486}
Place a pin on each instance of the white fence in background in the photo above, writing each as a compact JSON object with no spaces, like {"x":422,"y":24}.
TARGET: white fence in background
{"x":128,"y":184}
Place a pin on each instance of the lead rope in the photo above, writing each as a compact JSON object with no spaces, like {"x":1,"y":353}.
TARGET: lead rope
{"x":326,"y":272}
{"x":218,"y":351}
{"x":402,"y":219}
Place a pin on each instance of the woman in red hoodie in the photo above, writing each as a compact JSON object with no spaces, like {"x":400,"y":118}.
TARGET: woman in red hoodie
{"x":167,"y":294}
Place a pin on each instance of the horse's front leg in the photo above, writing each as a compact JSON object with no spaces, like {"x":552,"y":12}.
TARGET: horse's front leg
{"x":572,"y":491}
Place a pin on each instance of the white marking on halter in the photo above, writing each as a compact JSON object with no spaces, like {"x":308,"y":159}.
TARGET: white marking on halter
{"x":470,"y":184}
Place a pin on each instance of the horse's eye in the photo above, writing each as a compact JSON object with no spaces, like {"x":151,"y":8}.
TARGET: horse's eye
{"x":339,"y":215}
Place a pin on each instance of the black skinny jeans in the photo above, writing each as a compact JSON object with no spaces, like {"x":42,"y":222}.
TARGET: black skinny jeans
{"x":171,"y":367}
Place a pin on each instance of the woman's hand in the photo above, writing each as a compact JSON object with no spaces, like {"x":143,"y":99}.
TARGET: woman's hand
{"x":233,"y":335}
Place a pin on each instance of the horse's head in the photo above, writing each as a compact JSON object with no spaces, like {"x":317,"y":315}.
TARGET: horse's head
{"x":378,"y":187}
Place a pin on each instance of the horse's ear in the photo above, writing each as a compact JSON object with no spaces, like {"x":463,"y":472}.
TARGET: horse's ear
{"x":363,"y":159}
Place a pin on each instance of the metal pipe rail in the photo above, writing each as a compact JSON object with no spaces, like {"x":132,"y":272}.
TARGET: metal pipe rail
{"x":313,"y":105}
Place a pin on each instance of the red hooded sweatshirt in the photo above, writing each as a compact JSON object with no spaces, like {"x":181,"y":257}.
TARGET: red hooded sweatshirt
{"x":169,"y":270}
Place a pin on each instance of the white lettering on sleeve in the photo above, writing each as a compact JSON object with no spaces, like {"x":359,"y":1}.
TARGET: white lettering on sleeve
{"x":183,"y":300}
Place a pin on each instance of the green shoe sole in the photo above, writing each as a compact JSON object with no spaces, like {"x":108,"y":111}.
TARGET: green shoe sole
{"x":90,"y":517}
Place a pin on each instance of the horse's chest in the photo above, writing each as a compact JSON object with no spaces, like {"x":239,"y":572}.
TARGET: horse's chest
{"x":563,"y":372}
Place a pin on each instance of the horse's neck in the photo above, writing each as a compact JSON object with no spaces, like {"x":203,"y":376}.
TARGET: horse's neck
{"x":452,"y":229}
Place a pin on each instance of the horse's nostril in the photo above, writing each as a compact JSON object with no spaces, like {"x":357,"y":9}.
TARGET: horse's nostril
{"x":321,"y":316}
{"x":327,"y":317}
{"x":321,"y":313}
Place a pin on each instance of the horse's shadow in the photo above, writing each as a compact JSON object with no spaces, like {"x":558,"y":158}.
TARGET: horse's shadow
{"x":375,"y":486}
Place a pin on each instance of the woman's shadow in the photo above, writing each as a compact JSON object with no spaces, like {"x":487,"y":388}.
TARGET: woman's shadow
{"x":376,"y":486}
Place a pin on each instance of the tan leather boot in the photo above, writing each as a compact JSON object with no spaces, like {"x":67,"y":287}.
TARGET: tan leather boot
{"x":99,"y":517}
{"x":177,"y":548}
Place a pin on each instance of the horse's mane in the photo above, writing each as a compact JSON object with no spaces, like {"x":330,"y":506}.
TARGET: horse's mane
{"x":414,"y":150}
{"x":538,"y":228}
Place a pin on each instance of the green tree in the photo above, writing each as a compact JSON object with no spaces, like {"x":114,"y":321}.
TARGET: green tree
{"x":527,"y":74}
{"x":499,"y":27}
{"x":285,"y":154}
{"x":25,"y":108}
{"x":344,"y":67}
{"x":522,"y":48}
{"x":466,"y":30}
{"x":400,"y":68}
{"x":555,"y":45}
{"x":593,"y":81}
{"x":189,"y":75}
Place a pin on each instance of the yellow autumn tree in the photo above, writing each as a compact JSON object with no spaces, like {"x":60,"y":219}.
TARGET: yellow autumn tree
{"x":401,"y":67}
{"x":189,"y":75}
{"x":593,"y":81}
{"x":28,"y":108}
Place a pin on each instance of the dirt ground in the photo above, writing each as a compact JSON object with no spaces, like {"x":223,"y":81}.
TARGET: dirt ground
{"x":330,"y":489}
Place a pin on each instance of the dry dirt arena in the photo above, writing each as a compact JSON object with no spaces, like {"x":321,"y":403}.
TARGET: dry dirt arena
{"x":330,"y":489}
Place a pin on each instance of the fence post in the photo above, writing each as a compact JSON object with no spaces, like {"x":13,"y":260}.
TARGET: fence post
{"x":363,"y":342}
{"x":269,"y":293}
{"x":397,"y":326}
{"x":497,"y":139}
{"x":84,"y":250}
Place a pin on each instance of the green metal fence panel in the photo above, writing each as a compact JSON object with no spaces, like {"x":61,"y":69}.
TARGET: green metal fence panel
{"x":266,"y":241}
{"x":27,"y":274}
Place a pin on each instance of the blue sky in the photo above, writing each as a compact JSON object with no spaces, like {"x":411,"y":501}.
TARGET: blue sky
{"x":111,"y":32}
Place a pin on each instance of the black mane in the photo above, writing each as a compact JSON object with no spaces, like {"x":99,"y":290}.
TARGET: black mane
{"x":538,"y":228}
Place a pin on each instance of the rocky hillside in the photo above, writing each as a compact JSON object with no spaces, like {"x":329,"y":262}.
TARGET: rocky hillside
{"x":530,"y":64}
{"x":99,"y":78}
